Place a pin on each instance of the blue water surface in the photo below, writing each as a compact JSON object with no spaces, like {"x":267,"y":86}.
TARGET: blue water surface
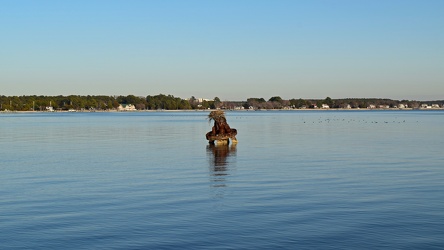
{"x":295,"y":180}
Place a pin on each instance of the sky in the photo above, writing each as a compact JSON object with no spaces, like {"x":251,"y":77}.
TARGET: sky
{"x":231,"y":49}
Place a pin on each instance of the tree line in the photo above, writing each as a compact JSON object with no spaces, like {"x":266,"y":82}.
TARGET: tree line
{"x":277,"y":102}
{"x":170,"y":102}
{"x":76,"y":102}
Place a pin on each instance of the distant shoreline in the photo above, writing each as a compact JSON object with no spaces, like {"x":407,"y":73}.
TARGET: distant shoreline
{"x":227,"y":110}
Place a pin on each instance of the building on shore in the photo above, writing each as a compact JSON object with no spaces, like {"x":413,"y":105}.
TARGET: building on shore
{"x":126,"y":107}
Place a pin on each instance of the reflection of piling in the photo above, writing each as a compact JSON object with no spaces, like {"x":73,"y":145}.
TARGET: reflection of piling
{"x":220,"y":153}
{"x":220,"y":167}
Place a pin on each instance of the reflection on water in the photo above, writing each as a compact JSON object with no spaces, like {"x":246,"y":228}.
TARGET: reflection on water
{"x":220,"y":154}
{"x":221,"y":163}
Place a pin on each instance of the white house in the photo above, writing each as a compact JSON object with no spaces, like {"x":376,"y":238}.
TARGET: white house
{"x":126,"y":107}
{"x":325,"y":106}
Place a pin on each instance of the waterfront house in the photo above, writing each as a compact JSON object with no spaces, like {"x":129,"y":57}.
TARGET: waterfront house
{"x":126,"y":107}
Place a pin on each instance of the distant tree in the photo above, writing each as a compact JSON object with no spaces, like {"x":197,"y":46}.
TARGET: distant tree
{"x":245,"y":105}
{"x":285,"y":103}
{"x":257,"y":103}
{"x":205,"y":105}
{"x":183,"y":104}
{"x":140,"y":106}
{"x":269,"y":105}
{"x":131,"y":99}
{"x":217,"y":102}
{"x":259,"y":100}
{"x":298,"y":103}
{"x":329,"y":102}
{"x":275,"y":99}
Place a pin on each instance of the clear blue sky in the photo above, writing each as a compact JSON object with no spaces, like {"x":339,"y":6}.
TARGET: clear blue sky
{"x":233,"y":49}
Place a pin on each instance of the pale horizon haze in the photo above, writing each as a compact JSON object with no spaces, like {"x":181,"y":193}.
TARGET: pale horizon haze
{"x":230,"y":49}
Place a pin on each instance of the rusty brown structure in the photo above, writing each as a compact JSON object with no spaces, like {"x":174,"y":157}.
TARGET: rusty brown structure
{"x":221,"y":131}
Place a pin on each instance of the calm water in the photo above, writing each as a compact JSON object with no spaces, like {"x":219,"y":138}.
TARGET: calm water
{"x":295,"y":180}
